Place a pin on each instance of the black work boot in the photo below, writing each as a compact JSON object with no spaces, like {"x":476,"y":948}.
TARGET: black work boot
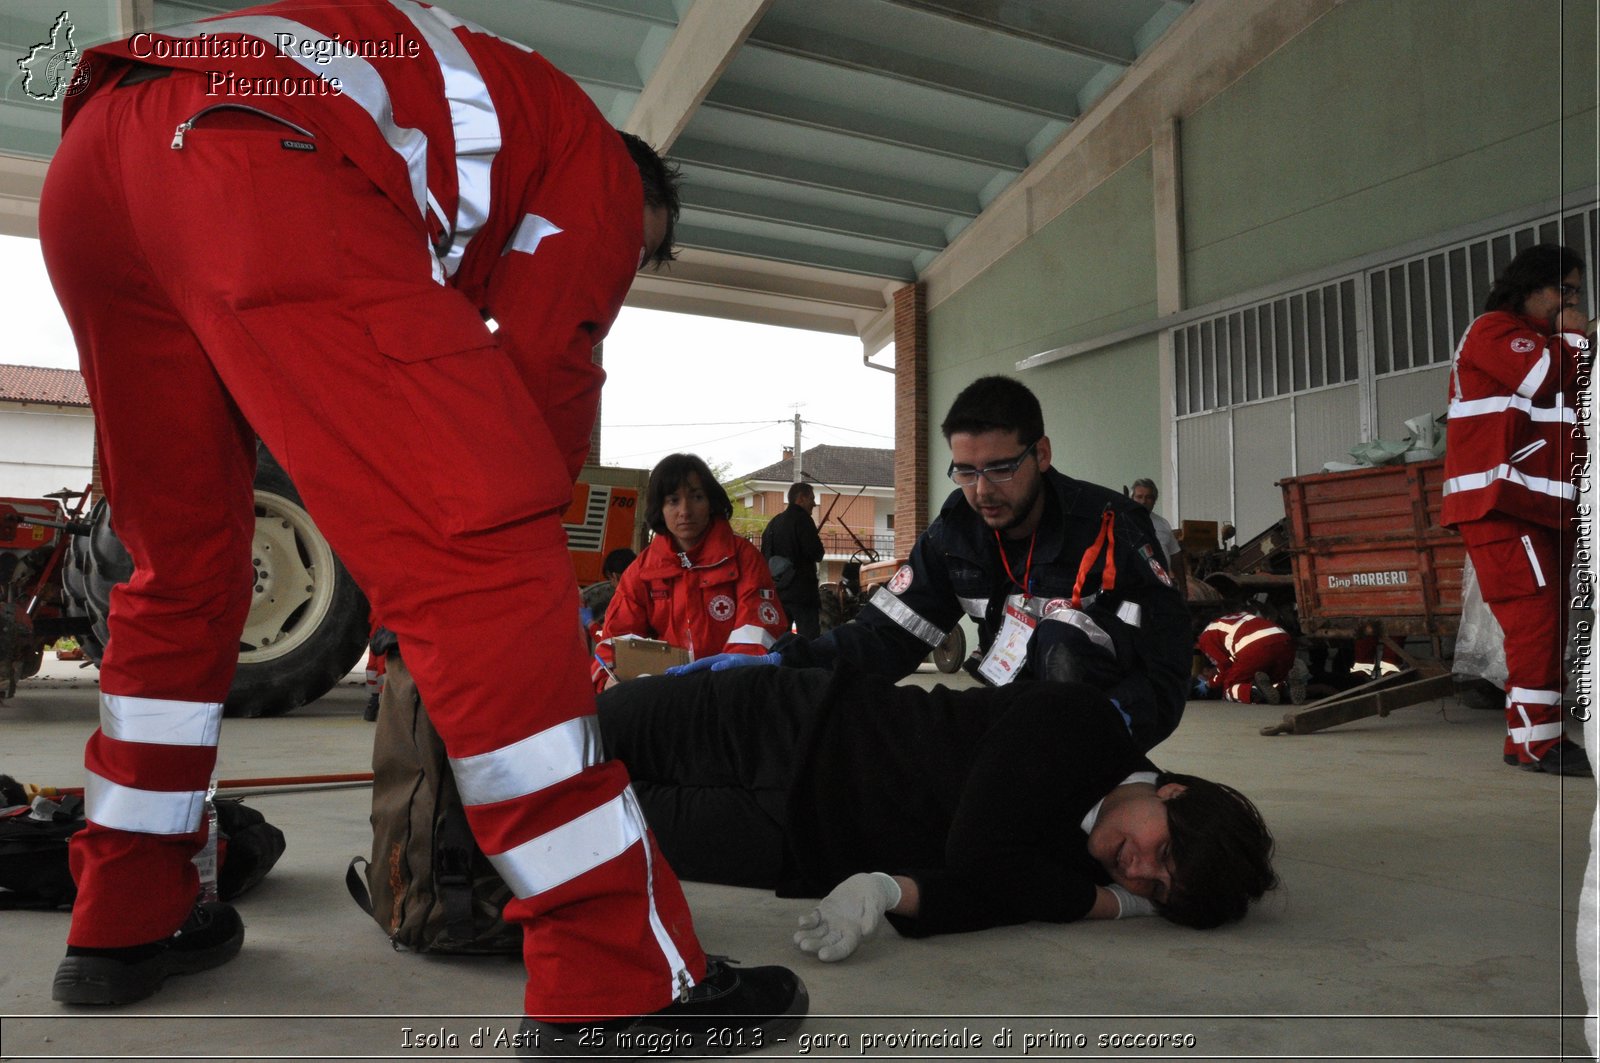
{"x":210,"y":937}
{"x":1564,"y":758}
{"x":1265,"y":691}
{"x":732,"y":1011}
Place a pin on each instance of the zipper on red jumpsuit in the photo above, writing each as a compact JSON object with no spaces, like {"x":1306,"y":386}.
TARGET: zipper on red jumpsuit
{"x":188,"y":123}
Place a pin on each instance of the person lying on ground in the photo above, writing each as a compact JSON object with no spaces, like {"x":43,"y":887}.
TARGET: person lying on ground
{"x":944,"y":810}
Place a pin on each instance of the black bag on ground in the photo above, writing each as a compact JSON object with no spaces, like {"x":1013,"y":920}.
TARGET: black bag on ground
{"x":34,"y":872}
{"x":428,"y":884}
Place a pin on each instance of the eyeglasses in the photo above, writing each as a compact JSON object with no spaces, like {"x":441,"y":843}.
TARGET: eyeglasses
{"x":998,"y":473}
{"x":1567,"y":289}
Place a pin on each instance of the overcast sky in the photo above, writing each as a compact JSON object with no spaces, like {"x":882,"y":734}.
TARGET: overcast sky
{"x":725,"y":390}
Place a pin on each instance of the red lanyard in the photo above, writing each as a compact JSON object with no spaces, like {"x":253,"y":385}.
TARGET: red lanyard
{"x":1027,"y":568}
{"x":1108,"y":540}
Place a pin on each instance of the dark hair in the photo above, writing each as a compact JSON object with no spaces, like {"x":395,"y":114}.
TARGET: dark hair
{"x":1540,"y":266}
{"x":671,"y":473}
{"x":617,"y":560}
{"x":796,"y":490}
{"x":1145,"y":481}
{"x":660,"y":179}
{"x":995,"y":403}
{"x":1221,"y":853}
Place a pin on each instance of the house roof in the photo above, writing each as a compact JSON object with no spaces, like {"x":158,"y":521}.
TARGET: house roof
{"x":834,"y":466}
{"x":32,"y":383}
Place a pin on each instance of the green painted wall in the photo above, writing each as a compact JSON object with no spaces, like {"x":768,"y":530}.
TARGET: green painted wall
{"x":1386,"y":121}
{"x":1088,"y":272}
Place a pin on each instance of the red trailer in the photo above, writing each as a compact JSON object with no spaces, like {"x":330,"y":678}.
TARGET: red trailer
{"x":1370,"y":557}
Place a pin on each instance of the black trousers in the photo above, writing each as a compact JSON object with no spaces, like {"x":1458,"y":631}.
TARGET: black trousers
{"x":713,"y":763}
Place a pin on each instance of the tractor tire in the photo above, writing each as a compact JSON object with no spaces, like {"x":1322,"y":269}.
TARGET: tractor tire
{"x":308,"y":622}
{"x":950,"y":653}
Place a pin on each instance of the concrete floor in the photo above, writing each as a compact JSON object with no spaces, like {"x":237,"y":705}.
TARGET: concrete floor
{"x":1428,"y":910}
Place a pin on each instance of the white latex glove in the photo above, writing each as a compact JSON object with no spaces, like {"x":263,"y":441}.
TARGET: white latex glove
{"x":851,"y":912}
{"x":1130,"y":904}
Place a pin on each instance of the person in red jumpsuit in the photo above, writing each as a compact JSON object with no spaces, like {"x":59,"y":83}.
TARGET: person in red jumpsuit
{"x":249,"y":219}
{"x":1252,"y":661}
{"x":1510,"y":490}
{"x":697,"y":585}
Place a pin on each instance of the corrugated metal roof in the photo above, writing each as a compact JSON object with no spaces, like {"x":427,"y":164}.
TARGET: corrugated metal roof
{"x":31,"y":383}
{"x":834,"y":466}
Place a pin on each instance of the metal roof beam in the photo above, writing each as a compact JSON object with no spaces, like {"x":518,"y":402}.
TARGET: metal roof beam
{"x":743,"y":205}
{"x":870,"y":125}
{"x":871,"y":58}
{"x":766,"y":166}
{"x":971,"y":14}
{"x":763,"y":247}
{"x":701,"y":48}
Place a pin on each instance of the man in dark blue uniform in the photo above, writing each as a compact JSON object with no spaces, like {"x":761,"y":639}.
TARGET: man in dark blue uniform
{"x":1065,"y":579}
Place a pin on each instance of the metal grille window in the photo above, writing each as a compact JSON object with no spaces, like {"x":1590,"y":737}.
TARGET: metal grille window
{"x":1303,"y":340}
{"x":1415,"y":311}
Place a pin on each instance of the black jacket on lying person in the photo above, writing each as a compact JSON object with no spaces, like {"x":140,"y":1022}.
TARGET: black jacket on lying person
{"x":956,"y":567}
{"x":793,"y":780}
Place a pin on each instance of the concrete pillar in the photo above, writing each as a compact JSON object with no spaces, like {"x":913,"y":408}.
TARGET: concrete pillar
{"x":1165,"y":158}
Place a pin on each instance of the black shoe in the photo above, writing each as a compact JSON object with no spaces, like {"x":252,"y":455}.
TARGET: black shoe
{"x":1265,"y":690}
{"x":1299,"y":676}
{"x":1564,"y":758}
{"x":210,"y":937}
{"x":731,"y":1011}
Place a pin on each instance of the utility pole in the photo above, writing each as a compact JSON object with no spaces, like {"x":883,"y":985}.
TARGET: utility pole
{"x":796,"y":478}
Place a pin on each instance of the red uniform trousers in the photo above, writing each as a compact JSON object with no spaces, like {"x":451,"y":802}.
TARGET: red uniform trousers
{"x":1272,"y":652}
{"x":1522,"y":571}
{"x":238,"y":285}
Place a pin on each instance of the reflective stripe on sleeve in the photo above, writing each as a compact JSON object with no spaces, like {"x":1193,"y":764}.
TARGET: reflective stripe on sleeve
{"x":752,"y":635}
{"x":1556,"y":411}
{"x":1079,"y":619}
{"x":976,"y":608}
{"x":121,"y":807}
{"x":1539,"y":485}
{"x":160,"y":722}
{"x":530,"y":765}
{"x":579,"y":845}
{"x":473,"y":120}
{"x":908,"y":618}
{"x":530,"y":231}
{"x":1536,"y":375}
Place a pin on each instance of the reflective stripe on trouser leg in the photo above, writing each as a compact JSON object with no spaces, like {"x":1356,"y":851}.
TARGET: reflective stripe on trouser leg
{"x":1533,"y":721}
{"x":148,"y":768}
{"x":183,"y":509}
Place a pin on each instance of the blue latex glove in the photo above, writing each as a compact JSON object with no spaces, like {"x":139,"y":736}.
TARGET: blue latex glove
{"x":721,"y":662}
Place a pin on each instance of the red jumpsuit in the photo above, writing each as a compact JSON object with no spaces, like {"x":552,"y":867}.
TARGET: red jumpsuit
{"x":717,"y":599}
{"x":229,"y":273}
{"x":1509,"y":468}
{"x":1241,"y":644}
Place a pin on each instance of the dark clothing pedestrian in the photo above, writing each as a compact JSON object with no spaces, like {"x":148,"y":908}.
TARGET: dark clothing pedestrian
{"x":1092,"y":544}
{"x":793,"y":535}
{"x":795,"y":779}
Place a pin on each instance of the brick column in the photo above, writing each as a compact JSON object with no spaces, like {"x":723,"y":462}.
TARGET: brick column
{"x":910,"y":416}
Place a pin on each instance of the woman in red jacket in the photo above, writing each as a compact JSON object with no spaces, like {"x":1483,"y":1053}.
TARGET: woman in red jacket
{"x":1516,"y":445}
{"x":697,"y":585}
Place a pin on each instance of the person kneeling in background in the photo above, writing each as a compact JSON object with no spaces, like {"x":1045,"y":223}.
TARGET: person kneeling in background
{"x":943,"y":810}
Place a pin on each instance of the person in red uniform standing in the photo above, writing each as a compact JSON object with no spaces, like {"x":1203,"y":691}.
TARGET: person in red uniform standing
{"x":249,"y":219}
{"x":697,"y":585}
{"x":1253,"y":661}
{"x":1509,"y":483}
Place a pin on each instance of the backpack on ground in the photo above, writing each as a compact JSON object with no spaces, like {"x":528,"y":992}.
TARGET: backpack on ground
{"x":428,"y":884}
{"x":34,"y":871}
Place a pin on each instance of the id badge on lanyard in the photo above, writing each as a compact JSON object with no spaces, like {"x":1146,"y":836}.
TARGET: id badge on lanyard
{"x":1009,"y":651}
